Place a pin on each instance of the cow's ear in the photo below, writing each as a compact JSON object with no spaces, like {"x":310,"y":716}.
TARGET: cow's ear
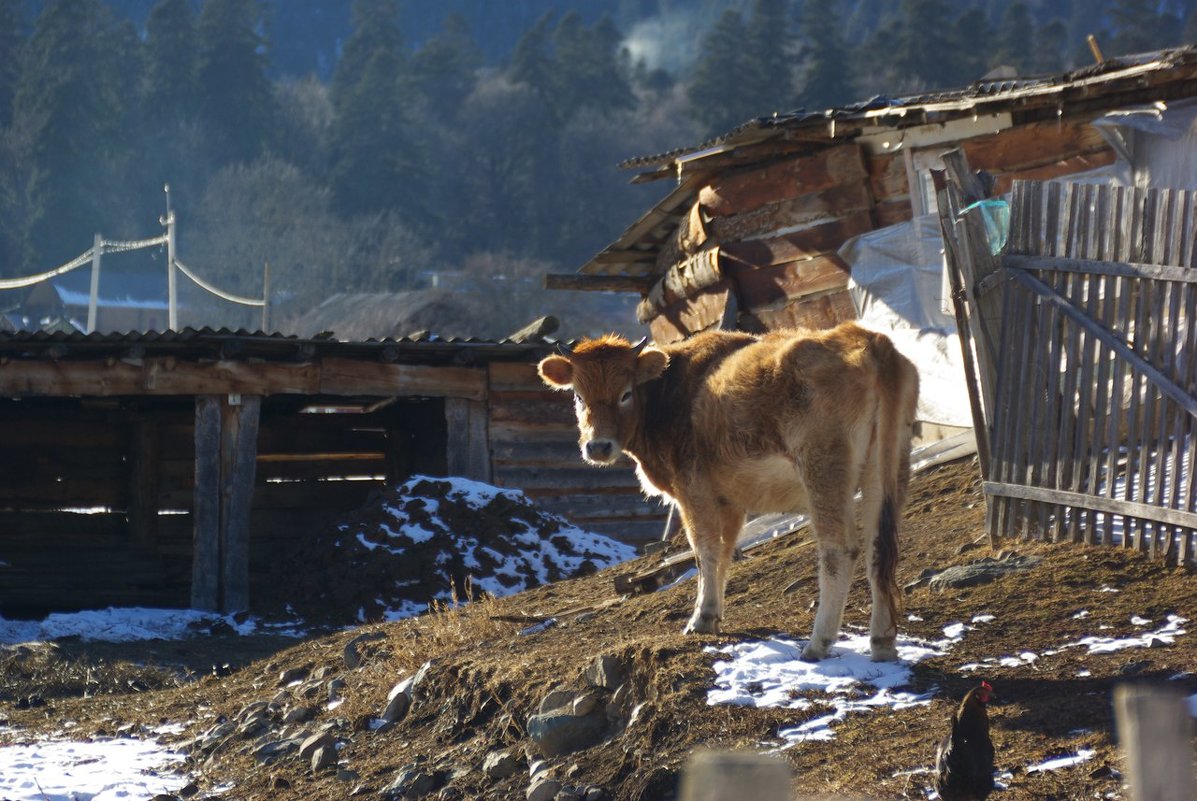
{"x":650,"y":364}
{"x":556,"y":371}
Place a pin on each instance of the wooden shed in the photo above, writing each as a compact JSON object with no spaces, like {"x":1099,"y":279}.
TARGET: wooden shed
{"x":749,"y":235}
{"x":169,"y":469}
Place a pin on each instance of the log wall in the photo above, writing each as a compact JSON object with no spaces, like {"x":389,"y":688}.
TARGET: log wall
{"x":759,"y":244}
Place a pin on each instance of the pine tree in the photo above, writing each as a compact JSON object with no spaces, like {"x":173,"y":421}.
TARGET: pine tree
{"x":11,"y":42}
{"x":1051,"y":48}
{"x":826,"y":58}
{"x":445,"y":70}
{"x":71,"y":97}
{"x":922,"y":39}
{"x":1139,"y":27}
{"x":716,"y":90}
{"x":236,"y":97}
{"x":771,"y":87}
{"x":531,"y":63}
{"x":377,"y":159}
{"x":170,"y":89}
{"x":586,"y":70}
{"x":967,"y":61}
{"x":1014,"y":38}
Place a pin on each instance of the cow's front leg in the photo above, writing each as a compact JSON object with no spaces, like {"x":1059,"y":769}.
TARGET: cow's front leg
{"x":712,"y":530}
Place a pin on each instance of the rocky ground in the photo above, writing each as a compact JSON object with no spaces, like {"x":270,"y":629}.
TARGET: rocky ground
{"x":609,"y":700}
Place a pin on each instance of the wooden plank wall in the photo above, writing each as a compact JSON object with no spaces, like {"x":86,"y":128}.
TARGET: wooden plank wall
{"x":766,"y":237}
{"x":534,"y":448}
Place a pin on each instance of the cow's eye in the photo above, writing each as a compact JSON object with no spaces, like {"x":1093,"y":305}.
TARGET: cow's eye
{"x":626,"y":397}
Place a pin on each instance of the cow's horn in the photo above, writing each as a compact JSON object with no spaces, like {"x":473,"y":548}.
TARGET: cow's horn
{"x":564,"y":349}
{"x":639,"y":346}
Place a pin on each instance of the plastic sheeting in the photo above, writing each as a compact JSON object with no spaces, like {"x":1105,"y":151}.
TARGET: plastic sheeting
{"x":1156,"y":144}
{"x":897,"y":286}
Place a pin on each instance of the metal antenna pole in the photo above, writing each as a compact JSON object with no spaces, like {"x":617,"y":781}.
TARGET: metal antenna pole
{"x":171,"y":282}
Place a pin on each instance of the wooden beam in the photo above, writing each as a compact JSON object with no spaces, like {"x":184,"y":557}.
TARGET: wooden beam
{"x":205,"y":561}
{"x":769,"y":286}
{"x":600,"y":283}
{"x":349,"y":377}
{"x":238,"y":452}
{"x":810,"y":208}
{"x":814,"y":240}
{"x":742,"y":191}
{"x":23,"y":379}
{"x":1080,"y":500}
{"x":468,"y":450}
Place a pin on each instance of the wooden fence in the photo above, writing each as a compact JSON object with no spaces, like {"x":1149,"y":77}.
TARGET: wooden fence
{"x":1082,"y":338}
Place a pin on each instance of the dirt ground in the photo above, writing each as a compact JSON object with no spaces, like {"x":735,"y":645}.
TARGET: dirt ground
{"x":487,"y":678}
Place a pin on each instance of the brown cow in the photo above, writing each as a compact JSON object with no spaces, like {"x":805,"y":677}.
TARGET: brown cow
{"x":728,"y":423}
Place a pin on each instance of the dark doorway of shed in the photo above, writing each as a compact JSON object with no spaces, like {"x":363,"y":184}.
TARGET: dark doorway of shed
{"x":97,"y":494}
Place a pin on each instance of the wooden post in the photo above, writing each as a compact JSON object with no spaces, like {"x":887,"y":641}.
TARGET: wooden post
{"x":468,"y":446}
{"x":96,"y":251}
{"x":238,"y":459}
{"x":1155,"y":729}
{"x":143,"y":483}
{"x":735,"y":776}
{"x":226,"y":433}
{"x":205,"y":564}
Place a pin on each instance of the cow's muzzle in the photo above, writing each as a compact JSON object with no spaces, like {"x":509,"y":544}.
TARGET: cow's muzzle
{"x":599,"y":451}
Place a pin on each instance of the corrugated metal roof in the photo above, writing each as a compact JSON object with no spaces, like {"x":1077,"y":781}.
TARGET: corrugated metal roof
{"x":227,"y":343}
{"x":990,"y":93}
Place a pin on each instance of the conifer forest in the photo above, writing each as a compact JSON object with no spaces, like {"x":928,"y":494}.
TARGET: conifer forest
{"x":372,"y":146}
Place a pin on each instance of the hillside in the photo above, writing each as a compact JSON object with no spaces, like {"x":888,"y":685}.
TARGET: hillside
{"x":1053,"y":641}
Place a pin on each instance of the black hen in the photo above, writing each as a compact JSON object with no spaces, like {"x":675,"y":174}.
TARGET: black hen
{"x":964,"y":760}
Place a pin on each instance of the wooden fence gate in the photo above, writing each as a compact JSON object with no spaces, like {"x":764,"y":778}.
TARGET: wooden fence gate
{"x":1083,"y":338}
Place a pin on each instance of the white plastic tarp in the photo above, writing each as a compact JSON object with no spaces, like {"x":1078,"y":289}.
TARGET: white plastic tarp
{"x":897,"y":286}
{"x":1156,"y":144}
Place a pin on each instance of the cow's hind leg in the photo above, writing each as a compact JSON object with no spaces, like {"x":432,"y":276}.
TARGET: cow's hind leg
{"x":712,"y":529}
{"x":880,"y":545}
{"x":838,"y":551}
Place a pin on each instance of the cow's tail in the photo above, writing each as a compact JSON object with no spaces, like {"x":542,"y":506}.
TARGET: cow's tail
{"x":898,"y":387}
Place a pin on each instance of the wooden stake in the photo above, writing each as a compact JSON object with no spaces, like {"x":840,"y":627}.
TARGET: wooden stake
{"x":1156,"y":729}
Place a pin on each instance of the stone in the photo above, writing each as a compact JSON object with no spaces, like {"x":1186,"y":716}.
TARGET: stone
{"x":310,"y":745}
{"x":500,"y":764}
{"x":561,"y":732}
{"x":397,"y":707}
{"x":982,"y":571}
{"x":607,"y":672}
{"x":545,"y":789}
{"x":300,"y":714}
{"x":617,"y":707}
{"x":568,"y":794}
{"x":411,"y":783}
{"x":324,"y":757}
{"x":322,"y":673}
{"x":293,"y":675}
{"x":189,"y":790}
{"x":353,"y":659}
{"x":273,"y":749}
{"x":334,"y":689}
{"x":584,"y":704}
{"x":347,"y":775}
{"x":594,"y":794}
{"x":279,"y":783}
{"x":252,"y":709}
{"x":558,"y":698}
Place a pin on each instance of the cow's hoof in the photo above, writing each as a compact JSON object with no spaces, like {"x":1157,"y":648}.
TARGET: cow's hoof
{"x":815,"y":653}
{"x":702,"y":624}
{"x":885,"y":651}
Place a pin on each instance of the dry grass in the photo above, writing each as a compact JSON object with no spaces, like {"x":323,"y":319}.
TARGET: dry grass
{"x":450,"y":626}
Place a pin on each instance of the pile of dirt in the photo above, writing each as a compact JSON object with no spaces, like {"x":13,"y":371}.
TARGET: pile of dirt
{"x":431,"y":540}
{"x":460,"y":704}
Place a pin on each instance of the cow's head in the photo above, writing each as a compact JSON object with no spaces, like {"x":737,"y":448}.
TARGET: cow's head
{"x":604,"y":374}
